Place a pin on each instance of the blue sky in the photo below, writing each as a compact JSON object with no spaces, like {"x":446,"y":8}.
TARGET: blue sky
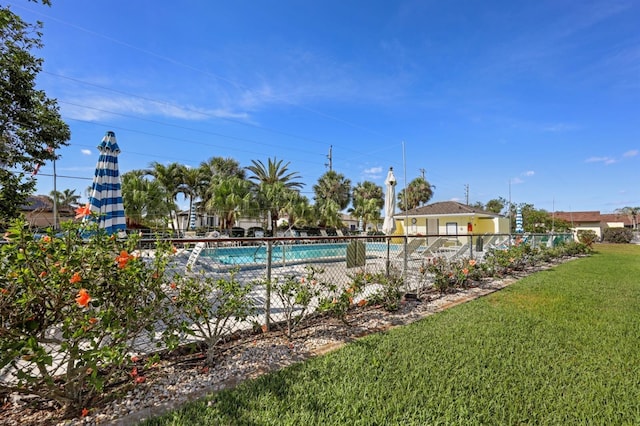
{"x":539,"y":101}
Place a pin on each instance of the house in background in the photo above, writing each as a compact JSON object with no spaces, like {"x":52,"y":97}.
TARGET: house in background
{"x":593,"y":221}
{"x":38,"y":212}
{"x":450,"y":218}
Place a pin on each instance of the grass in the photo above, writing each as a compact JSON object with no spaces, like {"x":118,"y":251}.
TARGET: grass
{"x":558,"y":347}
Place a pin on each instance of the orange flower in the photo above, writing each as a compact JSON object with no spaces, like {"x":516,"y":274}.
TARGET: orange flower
{"x":43,"y":274}
{"x":123,"y":259}
{"x":350,"y":290}
{"x":76,"y":278}
{"x":134,"y":358}
{"x":4,"y":291}
{"x":174,"y":250}
{"x":83,"y":298}
{"x":362,"y":302}
{"x":140,"y":379}
{"x":93,"y":320}
{"x":46,"y":239}
{"x":302,"y":280}
{"x":85,"y":412}
{"x":83,"y":211}
{"x":173,"y":286}
{"x":63,"y":270}
{"x":472,"y":262}
{"x":465,"y":271}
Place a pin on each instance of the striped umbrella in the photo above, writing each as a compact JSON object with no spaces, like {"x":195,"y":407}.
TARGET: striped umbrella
{"x":519,"y":227}
{"x":106,"y":193}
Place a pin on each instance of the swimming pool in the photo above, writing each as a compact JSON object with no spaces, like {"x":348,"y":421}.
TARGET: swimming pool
{"x":286,"y":253}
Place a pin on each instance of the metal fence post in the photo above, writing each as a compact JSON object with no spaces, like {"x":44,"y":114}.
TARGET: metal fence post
{"x":267,"y":299}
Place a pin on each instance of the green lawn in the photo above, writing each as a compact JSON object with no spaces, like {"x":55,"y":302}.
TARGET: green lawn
{"x":559,"y":347}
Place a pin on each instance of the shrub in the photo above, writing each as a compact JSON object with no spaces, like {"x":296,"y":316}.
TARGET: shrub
{"x":587,"y":237}
{"x":617,"y":235}
{"x":389,"y":295}
{"x":295,"y":294}
{"x":208,"y":306}
{"x":72,"y":309}
{"x":336,"y":299}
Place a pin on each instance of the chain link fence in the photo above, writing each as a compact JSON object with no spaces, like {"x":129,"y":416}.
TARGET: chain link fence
{"x":271,"y":266}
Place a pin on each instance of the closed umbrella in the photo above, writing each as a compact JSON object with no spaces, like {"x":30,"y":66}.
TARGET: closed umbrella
{"x":105,"y":201}
{"x":519,"y":227}
{"x":389,"y":225}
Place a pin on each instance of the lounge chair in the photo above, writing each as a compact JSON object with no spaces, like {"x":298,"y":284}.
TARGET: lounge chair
{"x":195,"y":253}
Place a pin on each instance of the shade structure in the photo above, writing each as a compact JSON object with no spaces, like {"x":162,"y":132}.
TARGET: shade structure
{"x":389,"y":225}
{"x":105,"y":201}
{"x":519,"y":226}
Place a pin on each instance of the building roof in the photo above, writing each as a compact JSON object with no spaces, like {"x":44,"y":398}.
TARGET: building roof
{"x":593,"y":217}
{"x":446,"y":208}
{"x":580,"y":217}
{"x":617,"y":217}
{"x":37,"y":202}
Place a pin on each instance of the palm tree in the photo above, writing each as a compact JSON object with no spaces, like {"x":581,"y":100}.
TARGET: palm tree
{"x":298,"y":209}
{"x":271,"y":183}
{"x":632,"y":212}
{"x":215,"y":170}
{"x":332,"y":195}
{"x":223,"y":167}
{"x":368,"y":199}
{"x":145,"y":201}
{"x":170,"y":180}
{"x":418,"y":192}
{"x":67,"y":198}
{"x":228,"y":198}
{"x":193,"y":183}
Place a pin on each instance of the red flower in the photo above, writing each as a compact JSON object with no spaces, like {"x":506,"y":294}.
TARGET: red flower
{"x":173,"y":286}
{"x":85,"y":412}
{"x":140,"y":379}
{"x":83,"y":298}
{"x":76,"y":278}
{"x":4,"y":291}
{"x":93,"y":320}
{"x":46,"y":239}
{"x":43,"y":274}
{"x":83,"y":211}
{"x":134,"y":372}
{"x":134,"y":358}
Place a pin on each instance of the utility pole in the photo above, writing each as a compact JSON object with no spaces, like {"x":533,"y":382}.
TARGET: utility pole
{"x":466,"y":193}
{"x":330,"y":157}
{"x":422,"y":172}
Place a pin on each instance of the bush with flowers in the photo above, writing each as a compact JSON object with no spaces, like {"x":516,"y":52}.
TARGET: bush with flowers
{"x":447,"y":275}
{"x":209,"y":307}
{"x":336,"y":300}
{"x":71,"y":310}
{"x":295,"y":294}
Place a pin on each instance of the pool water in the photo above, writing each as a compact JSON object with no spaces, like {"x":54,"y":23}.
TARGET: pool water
{"x":286,"y":253}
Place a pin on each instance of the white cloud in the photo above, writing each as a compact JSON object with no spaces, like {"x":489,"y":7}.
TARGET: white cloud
{"x":631,"y":153}
{"x":516,"y":181}
{"x":528,"y":173}
{"x":372,"y":173}
{"x":605,"y":160}
{"x":85,"y":151}
{"x":98,"y":108}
